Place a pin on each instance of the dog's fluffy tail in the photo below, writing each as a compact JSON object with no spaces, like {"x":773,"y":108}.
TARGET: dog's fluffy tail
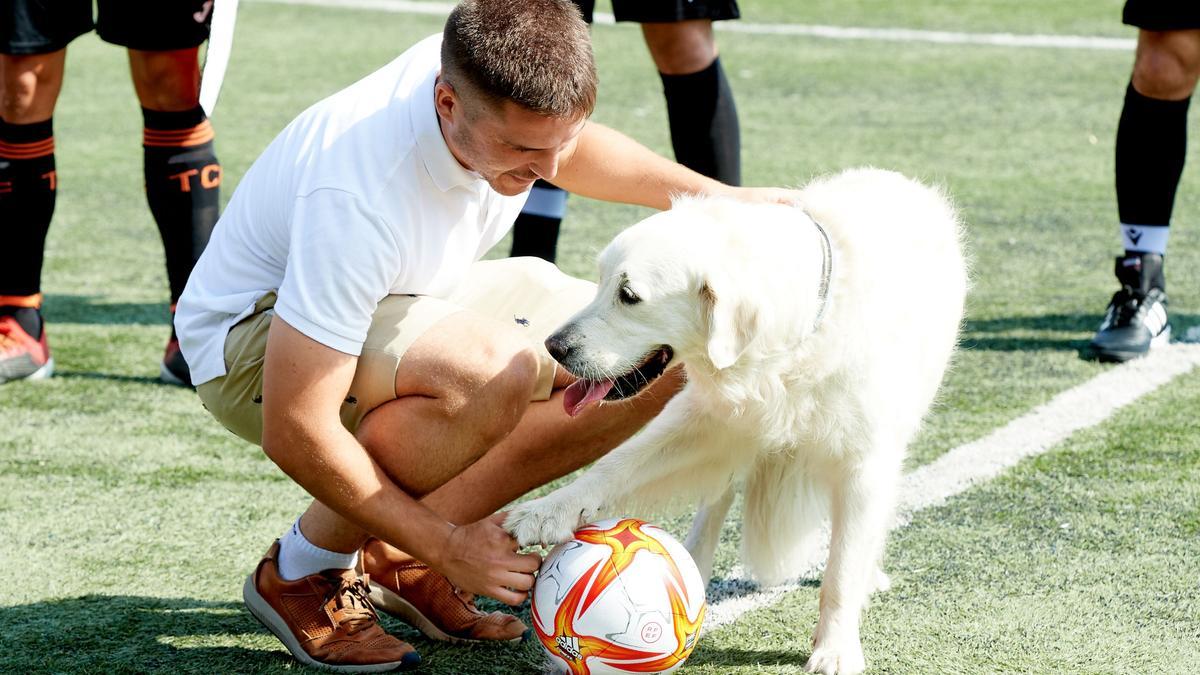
{"x":783,"y":513}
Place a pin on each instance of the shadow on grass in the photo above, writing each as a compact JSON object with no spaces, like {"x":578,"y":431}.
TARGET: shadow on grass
{"x":1046,"y":332}
{"x":720,"y":589}
{"x":87,"y":309}
{"x":135,"y":634}
{"x":729,"y":589}
{"x":751,"y":658}
{"x":111,"y":377}
{"x":118,"y":633}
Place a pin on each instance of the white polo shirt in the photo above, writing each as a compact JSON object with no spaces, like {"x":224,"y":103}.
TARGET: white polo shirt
{"x":357,"y":198}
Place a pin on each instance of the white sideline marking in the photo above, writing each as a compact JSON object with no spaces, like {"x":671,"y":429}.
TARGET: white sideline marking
{"x":827,"y":32}
{"x":953,"y":473}
{"x":934,"y":36}
{"x":393,"y":6}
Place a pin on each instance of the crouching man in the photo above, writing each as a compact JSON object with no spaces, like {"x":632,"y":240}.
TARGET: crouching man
{"x":340,"y":318}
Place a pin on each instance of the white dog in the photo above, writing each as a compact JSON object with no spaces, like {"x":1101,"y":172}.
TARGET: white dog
{"x":815,"y":338}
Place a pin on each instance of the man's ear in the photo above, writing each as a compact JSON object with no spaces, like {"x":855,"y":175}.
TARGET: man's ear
{"x":445,"y":99}
{"x":732,"y":323}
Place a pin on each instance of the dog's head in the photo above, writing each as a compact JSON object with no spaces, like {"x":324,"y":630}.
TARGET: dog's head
{"x":666,"y":295}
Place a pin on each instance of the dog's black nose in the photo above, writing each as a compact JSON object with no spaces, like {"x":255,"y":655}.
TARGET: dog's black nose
{"x":559,"y":346}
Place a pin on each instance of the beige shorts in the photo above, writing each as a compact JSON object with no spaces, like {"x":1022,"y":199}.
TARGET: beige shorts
{"x":528,"y":293}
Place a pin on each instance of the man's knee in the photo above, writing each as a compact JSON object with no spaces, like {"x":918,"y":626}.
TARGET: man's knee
{"x":505,"y":381}
{"x":166,"y":80}
{"x":29,"y":87}
{"x":480,"y":375}
{"x":680,"y":48}
{"x":1167,"y":65}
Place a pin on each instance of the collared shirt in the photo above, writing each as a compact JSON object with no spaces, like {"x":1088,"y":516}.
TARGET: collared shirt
{"x":359,"y":197}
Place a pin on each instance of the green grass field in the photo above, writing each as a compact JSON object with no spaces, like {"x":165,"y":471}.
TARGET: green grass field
{"x":129,"y":518}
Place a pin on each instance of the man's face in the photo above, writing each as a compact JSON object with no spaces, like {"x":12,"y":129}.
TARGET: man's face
{"x":509,"y":146}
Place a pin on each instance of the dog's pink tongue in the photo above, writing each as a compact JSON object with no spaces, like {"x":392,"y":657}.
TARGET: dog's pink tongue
{"x":582,"y":392}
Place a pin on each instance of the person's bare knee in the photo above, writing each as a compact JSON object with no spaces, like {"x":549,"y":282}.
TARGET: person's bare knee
{"x":680,"y":48}
{"x":461,"y":388}
{"x":509,"y":389}
{"x":478,"y":371}
{"x":29,"y":86}
{"x":167,"y":81}
{"x":1167,"y":64}
{"x":483,"y":396}
{"x":496,"y":397}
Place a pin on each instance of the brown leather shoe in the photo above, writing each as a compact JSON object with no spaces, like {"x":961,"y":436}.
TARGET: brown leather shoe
{"x":325,"y":619}
{"x":408,"y":589}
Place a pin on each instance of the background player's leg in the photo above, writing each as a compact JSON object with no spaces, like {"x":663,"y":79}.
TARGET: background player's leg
{"x":1152,"y":136}
{"x":29,"y":87}
{"x":535,"y":232}
{"x":182,"y":172}
{"x":700,"y":105}
{"x":1150,"y":150}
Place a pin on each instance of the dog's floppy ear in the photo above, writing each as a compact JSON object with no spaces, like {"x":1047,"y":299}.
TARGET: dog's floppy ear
{"x":732,"y":323}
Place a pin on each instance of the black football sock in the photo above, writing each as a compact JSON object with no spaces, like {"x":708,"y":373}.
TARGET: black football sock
{"x":704,"y":123}
{"x":1151,"y":147}
{"x":535,"y":232}
{"x":28,"y":184}
{"x":183,"y":179}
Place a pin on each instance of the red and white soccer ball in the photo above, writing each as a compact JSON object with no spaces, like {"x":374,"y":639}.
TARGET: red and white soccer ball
{"x":621,"y":597}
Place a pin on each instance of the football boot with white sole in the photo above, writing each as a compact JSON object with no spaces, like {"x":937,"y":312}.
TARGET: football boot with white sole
{"x":1136,"y":320}
{"x":22,"y":356}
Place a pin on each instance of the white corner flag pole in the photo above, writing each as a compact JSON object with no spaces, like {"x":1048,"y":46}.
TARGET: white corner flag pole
{"x":216,"y":57}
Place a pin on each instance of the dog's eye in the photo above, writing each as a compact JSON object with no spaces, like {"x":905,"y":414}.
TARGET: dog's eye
{"x":627,"y":296}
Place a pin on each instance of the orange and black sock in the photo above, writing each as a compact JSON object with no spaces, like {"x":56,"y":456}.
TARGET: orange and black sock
{"x":182,"y":186}
{"x":27,"y":187}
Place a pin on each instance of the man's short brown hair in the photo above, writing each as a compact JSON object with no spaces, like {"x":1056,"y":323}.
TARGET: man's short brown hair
{"x":536,"y":53}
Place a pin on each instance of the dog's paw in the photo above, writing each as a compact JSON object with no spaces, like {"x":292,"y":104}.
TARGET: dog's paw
{"x":548,"y":520}
{"x":836,"y":660}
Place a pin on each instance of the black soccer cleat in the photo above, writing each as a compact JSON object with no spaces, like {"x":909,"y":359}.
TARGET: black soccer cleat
{"x":1136,"y":320}
{"x":174,"y":370}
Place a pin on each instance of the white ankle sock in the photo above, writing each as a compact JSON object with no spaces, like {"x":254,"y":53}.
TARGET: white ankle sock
{"x":299,"y":557}
{"x":1145,"y":238}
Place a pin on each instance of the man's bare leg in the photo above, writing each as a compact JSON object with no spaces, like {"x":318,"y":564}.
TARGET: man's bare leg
{"x":441,"y":441}
{"x":467,"y":438}
{"x":546,"y":445}
{"x":462,"y":387}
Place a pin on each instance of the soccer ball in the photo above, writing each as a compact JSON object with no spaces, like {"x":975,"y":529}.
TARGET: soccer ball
{"x":622,"y":596}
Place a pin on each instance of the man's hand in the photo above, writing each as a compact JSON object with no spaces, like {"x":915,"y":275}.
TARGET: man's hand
{"x":765,"y":194}
{"x":482,"y":558}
